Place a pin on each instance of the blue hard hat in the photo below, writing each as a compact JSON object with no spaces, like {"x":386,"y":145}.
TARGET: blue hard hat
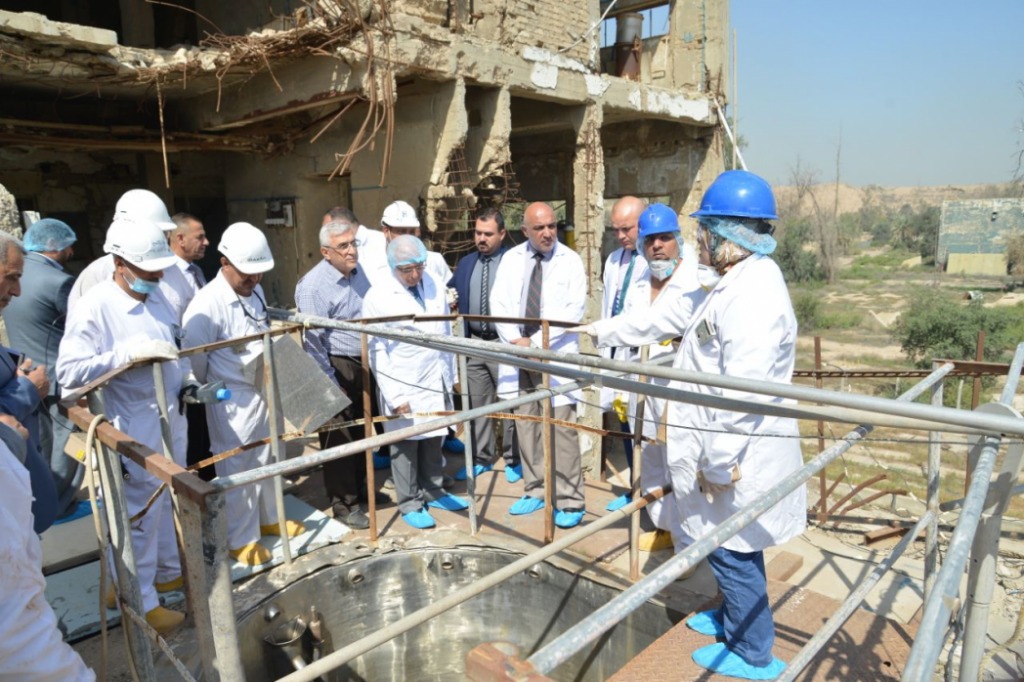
{"x":740,"y":194}
{"x":657,"y":219}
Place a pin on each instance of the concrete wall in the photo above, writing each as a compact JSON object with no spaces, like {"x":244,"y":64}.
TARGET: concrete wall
{"x":979,"y":226}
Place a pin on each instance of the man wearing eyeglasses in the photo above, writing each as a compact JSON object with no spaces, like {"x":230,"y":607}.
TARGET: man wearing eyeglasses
{"x":542,"y":278}
{"x":231,"y":306}
{"x":335,"y":288}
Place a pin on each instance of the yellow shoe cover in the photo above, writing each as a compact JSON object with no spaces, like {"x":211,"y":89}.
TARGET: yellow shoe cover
{"x":295,"y":528}
{"x":111,"y":596}
{"x":164,"y":620}
{"x":252,"y":554}
{"x":655,"y":541}
{"x":171,"y":585}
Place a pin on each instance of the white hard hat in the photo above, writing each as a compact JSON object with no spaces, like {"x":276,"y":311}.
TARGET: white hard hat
{"x":141,"y":204}
{"x":400,"y":214}
{"x":140,"y":243}
{"x":247,"y":248}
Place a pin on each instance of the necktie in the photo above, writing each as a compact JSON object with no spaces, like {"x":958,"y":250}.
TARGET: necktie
{"x":197,"y":275}
{"x":620,"y":300}
{"x":533,"y":295}
{"x":485,"y":290}
{"x":415,"y":291}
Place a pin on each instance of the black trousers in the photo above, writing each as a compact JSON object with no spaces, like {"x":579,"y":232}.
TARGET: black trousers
{"x":344,"y":477}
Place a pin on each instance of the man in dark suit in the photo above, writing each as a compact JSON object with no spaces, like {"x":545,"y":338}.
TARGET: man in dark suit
{"x":35,"y":326}
{"x":473,"y":278}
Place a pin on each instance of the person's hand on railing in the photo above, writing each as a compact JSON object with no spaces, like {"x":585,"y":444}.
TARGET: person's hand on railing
{"x":404,"y":408}
{"x":711,"y":489}
{"x":587,"y":329}
{"x":153,"y":349}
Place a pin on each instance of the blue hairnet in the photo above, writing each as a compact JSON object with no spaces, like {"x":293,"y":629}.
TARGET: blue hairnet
{"x":741,"y":231}
{"x":406,"y":250}
{"x":49,"y":234}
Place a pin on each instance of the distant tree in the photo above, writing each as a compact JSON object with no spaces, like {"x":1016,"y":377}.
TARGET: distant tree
{"x":1015,"y":256}
{"x":937,"y":325}
{"x":821,"y":220}
{"x":797,"y":261}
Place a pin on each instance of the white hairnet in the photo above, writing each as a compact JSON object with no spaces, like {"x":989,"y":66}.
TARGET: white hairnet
{"x":406,"y":250}
{"x":49,"y":234}
{"x":742,"y":231}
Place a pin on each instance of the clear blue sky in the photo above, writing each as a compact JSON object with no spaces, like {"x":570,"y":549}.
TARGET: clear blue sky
{"x":919,"y":93}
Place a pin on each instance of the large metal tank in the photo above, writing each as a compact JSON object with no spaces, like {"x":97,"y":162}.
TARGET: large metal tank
{"x":358,"y":598}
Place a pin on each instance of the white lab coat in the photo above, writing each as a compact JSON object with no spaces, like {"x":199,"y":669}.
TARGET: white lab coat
{"x":681,"y":293}
{"x":31,"y":645}
{"x":100,"y":334}
{"x":172,"y":284}
{"x":371,"y":249}
{"x":181,"y":281}
{"x":563,"y":298}
{"x":610,"y":280}
{"x":744,"y":328}
{"x":407,"y":373}
{"x":217,"y":314}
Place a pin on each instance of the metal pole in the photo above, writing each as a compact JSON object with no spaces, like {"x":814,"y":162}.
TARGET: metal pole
{"x":793,"y":392}
{"x":985,"y":548}
{"x":925,"y":651}
{"x":272,"y":398}
{"x":933,"y":473}
{"x":823,"y":495}
{"x":342,"y":656}
{"x":547,"y":434}
{"x":119,"y":526}
{"x":851,"y":604}
{"x":209,"y":586}
{"x":469,"y":461}
{"x":636,"y":473}
{"x":368,"y":432}
{"x":600,"y":621}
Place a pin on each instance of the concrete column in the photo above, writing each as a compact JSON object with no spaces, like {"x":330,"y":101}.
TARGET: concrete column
{"x":698,"y":40}
{"x":588,"y":185}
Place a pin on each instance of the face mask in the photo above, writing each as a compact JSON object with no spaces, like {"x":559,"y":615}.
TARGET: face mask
{"x":139,"y":285}
{"x":662,"y":269}
{"x":707,"y":277}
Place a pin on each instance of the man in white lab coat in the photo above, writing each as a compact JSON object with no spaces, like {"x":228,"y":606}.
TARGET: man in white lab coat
{"x":413,"y":381}
{"x":667,"y":288}
{"x":722,"y":460}
{"x":31,"y":644}
{"x":230,"y":306}
{"x":624,"y":267}
{"x":118,"y":321}
{"x":542,"y":278}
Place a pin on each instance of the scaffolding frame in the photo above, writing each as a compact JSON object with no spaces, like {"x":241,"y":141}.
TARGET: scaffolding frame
{"x":199,"y":505}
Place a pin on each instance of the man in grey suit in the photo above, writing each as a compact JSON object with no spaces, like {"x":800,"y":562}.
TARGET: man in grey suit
{"x":35,"y":326}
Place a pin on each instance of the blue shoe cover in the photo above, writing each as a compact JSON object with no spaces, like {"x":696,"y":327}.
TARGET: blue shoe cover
{"x":478,"y":469}
{"x":717,"y":658}
{"x":380,"y":461}
{"x":514,"y":474}
{"x":618,"y":503}
{"x":80,"y":510}
{"x":453,"y":445}
{"x":705,"y":623}
{"x":568,"y":518}
{"x":525,"y":505}
{"x":419,"y":519}
{"x":449,"y":503}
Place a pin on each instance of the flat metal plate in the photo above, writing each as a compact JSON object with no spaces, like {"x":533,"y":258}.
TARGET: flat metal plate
{"x":308,"y":397}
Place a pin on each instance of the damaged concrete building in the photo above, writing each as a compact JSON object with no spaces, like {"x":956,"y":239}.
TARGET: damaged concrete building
{"x":272,"y":112}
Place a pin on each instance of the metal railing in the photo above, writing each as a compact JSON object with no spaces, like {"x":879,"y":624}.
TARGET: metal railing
{"x":199,"y":506}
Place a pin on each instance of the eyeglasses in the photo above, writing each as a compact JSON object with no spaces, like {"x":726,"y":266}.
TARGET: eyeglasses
{"x":255,"y":316}
{"x":409,"y":269}
{"x":350,"y":245}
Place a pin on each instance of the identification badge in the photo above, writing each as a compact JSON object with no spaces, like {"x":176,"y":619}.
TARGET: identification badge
{"x":705,"y":332}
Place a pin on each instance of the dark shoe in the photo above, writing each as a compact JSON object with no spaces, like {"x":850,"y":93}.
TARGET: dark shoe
{"x":352,"y":516}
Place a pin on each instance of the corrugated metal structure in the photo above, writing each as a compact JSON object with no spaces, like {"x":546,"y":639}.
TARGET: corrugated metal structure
{"x":973,"y":234}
